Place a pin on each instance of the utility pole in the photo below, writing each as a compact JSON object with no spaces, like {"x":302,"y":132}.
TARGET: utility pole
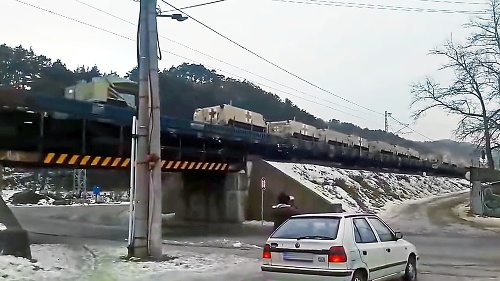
{"x":155,"y":199}
{"x":147,"y":221}
{"x":386,"y":115}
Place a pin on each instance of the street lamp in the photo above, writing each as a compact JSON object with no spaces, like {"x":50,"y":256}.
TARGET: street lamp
{"x":177,"y":17}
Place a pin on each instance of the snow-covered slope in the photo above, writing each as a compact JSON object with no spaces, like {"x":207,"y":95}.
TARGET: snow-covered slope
{"x":359,"y":190}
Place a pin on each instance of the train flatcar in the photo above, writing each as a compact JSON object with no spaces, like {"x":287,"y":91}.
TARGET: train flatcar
{"x":334,"y":138}
{"x":380,"y":147}
{"x":109,"y":89}
{"x":292,"y":128}
{"x":400,"y":151}
{"x":446,"y":159}
{"x":435,"y":158}
{"x":413,"y":154}
{"x":358,"y":142}
{"x":229,"y":115}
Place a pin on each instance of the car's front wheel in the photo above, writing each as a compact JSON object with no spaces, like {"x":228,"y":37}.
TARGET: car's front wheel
{"x":411,"y":269}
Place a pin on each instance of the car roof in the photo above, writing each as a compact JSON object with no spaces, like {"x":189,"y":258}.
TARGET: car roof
{"x":334,"y":215}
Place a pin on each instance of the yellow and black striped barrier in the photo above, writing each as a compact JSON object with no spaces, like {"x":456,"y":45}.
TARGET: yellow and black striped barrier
{"x":87,"y":161}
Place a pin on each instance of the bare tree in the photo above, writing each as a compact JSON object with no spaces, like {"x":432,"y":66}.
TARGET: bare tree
{"x":486,"y":38}
{"x":468,"y":95}
{"x":474,"y":93}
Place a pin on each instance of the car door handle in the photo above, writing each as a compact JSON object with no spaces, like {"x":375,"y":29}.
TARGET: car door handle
{"x":388,"y":250}
{"x":365,"y":253}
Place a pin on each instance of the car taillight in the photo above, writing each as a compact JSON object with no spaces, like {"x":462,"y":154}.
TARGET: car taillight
{"x":266,"y":253}
{"x":337,"y":254}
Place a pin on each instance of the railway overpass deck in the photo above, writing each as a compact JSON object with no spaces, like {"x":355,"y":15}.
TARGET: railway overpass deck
{"x":59,"y":132}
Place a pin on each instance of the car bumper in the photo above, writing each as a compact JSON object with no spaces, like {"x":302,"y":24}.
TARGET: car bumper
{"x":279,"y":273}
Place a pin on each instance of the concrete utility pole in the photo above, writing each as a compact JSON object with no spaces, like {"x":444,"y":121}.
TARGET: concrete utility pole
{"x":155,"y":196}
{"x":147,"y":219}
{"x":147,"y":239}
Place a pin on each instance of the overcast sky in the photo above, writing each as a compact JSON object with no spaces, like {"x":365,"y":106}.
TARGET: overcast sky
{"x":366,"y":55}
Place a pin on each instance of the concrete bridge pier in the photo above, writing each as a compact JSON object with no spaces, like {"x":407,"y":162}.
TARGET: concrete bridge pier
{"x":206,"y":196}
{"x":14,"y":240}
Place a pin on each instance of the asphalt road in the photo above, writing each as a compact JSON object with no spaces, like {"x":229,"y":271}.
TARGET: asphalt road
{"x":450,"y":249}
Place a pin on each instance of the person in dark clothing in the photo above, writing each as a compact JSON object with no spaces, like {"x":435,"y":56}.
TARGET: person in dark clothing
{"x":283,"y":210}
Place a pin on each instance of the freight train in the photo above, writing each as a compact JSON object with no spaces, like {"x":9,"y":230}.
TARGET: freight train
{"x":295,"y":138}
{"x":325,"y":143}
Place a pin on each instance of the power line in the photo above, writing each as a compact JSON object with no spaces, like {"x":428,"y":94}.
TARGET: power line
{"x":453,"y":2}
{"x":222,"y":61}
{"x":270,"y":62}
{"x":279,"y":67}
{"x":407,"y":126}
{"x":133,"y":40}
{"x":180,"y":56}
{"x":379,"y":6}
{"x":72,"y":19}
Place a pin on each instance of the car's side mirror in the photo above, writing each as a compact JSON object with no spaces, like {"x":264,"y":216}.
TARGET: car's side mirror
{"x":398,"y":235}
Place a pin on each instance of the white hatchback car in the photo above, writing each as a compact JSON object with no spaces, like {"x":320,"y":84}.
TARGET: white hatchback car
{"x":338,"y":246}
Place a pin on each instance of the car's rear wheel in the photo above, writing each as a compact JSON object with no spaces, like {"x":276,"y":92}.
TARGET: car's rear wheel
{"x":359,"y":276}
{"x":411,"y":269}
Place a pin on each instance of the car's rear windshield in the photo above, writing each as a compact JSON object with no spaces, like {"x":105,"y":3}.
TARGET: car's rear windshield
{"x":309,"y":227}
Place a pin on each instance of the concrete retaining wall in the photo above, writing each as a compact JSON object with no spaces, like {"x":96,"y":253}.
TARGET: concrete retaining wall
{"x":277,"y":181}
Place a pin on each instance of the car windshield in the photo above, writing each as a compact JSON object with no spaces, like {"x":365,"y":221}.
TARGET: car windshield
{"x":309,"y":228}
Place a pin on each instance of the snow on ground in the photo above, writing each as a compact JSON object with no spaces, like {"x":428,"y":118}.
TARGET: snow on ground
{"x":55,"y":262}
{"x":258,"y":223}
{"x":462,"y":211}
{"x":2,"y":227}
{"x":169,"y":216}
{"x":359,"y":190}
{"x":13,"y":179}
{"x":43,"y":203}
{"x":181,"y":265}
{"x":7,"y":194}
{"x":104,"y":262}
{"x":215,"y":243}
{"x":106,"y":198}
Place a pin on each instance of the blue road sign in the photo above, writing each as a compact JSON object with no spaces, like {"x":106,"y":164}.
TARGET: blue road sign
{"x":97,"y":190}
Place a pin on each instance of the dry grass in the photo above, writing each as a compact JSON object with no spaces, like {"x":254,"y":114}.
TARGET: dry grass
{"x":349,"y":189}
{"x":443,"y":214}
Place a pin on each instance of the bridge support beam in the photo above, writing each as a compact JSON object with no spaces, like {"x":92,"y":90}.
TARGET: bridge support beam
{"x":80,"y":183}
{"x":477,"y":177}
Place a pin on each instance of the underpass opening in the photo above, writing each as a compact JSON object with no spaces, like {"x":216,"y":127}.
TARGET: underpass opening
{"x":203,"y":197}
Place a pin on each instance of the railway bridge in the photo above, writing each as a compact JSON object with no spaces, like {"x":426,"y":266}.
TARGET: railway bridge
{"x":201,"y":163}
